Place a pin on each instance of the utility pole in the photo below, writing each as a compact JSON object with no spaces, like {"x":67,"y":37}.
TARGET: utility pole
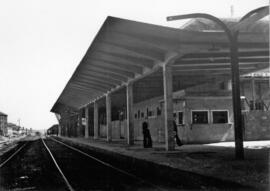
{"x":19,"y":122}
{"x":232,"y":11}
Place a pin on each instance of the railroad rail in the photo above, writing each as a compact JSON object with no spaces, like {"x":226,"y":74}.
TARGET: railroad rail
{"x":57,"y":166}
{"x":14,"y":154}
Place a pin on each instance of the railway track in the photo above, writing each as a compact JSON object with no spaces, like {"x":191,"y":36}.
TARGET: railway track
{"x":105,"y":175}
{"x":49,"y":164}
{"x":12,"y":155}
{"x":29,"y":167}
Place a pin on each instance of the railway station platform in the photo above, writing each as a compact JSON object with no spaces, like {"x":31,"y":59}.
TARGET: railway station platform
{"x":211,"y":160}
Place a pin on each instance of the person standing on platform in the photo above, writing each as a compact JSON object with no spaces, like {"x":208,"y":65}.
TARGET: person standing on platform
{"x":177,"y":140}
{"x":147,"y":140}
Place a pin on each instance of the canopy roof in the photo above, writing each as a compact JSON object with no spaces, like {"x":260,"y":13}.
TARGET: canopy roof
{"x":125,"y":51}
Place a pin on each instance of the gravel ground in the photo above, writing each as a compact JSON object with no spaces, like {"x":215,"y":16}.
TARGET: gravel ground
{"x":31,"y":169}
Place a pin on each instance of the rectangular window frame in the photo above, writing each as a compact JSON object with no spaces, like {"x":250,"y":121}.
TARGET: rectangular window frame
{"x":212,"y":116}
{"x":177,"y":115}
{"x":200,"y":110}
{"x":151,"y":113}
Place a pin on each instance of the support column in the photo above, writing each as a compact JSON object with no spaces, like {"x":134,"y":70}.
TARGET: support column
{"x":168,"y":107}
{"x":130,"y":121}
{"x":95,"y":120}
{"x":63,"y":128}
{"x":66,"y":129}
{"x":238,"y":132}
{"x":253,"y":92}
{"x":86,"y":130}
{"x":79,"y":124}
{"x":109,"y":117}
{"x":69,"y":128}
{"x":73,"y":127}
{"x":59,"y":130}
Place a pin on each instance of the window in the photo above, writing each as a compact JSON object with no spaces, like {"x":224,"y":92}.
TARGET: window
{"x":150,"y":113}
{"x":142,"y":115}
{"x":220,"y":116}
{"x":135,"y":116}
{"x":199,"y":117}
{"x":180,"y":118}
{"x":139,"y":114}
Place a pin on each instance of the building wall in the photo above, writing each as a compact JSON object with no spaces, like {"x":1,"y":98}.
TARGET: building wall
{"x":155,"y":121}
{"x":257,"y":125}
{"x":188,"y":132}
{"x":208,"y":97}
{"x":210,"y":132}
{"x":119,"y":129}
{"x":102,"y":130}
{"x":3,"y":125}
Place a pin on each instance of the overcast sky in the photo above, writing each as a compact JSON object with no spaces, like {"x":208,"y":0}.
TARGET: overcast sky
{"x":43,"y":41}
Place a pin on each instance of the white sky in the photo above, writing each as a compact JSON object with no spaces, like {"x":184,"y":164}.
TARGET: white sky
{"x":43,"y":41}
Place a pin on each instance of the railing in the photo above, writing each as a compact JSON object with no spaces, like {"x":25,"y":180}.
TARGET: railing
{"x":258,"y":105}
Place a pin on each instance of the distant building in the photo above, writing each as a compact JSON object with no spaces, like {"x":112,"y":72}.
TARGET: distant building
{"x":3,"y":124}
{"x":13,"y":130}
{"x":53,"y":130}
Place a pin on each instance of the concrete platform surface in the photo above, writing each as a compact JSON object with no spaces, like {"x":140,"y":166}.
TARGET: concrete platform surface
{"x":215,"y":160}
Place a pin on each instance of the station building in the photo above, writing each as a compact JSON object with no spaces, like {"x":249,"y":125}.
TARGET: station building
{"x":135,"y":72}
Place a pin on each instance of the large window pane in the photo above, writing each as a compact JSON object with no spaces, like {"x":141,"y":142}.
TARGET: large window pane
{"x":220,"y":116}
{"x":199,"y":117}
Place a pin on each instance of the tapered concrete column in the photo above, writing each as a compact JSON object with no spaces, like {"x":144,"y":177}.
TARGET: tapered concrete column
{"x":69,"y":128}
{"x":168,"y":107}
{"x":63,"y":129}
{"x":253,"y":92}
{"x":95,"y":120}
{"x":130,"y":120}
{"x":79,"y":124}
{"x":109,"y":117}
{"x":66,"y":129}
{"x":59,"y":130}
{"x":74,"y":126}
{"x":86,"y":130}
